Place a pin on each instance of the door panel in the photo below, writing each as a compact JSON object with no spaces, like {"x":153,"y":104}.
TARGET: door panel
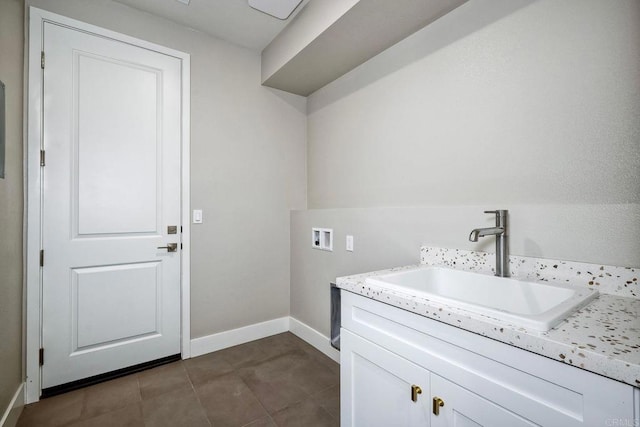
{"x":102,"y":293}
{"x":118,"y":113}
{"x":111,"y":297}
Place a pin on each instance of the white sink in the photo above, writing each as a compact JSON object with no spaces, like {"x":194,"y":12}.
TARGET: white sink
{"x":531,"y":305}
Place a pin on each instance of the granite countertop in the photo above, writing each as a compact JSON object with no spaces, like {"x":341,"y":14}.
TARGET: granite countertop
{"x":603,"y":337}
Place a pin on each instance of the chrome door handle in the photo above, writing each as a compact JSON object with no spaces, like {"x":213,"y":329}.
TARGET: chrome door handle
{"x":171,"y":247}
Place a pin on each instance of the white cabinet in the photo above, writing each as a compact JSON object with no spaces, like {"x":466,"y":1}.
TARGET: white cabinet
{"x":386,"y":352}
{"x":384,"y":388}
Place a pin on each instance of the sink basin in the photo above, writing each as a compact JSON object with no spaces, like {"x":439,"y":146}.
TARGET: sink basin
{"x":531,"y":305}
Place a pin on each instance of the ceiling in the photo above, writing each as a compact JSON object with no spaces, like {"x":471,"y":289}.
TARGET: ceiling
{"x":231,"y":20}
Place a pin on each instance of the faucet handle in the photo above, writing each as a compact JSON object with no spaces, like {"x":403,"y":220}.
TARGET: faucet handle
{"x":501,"y":218}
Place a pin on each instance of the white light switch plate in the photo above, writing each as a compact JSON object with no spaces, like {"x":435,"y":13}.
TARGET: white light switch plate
{"x":350,"y":243}
{"x":197,"y":216}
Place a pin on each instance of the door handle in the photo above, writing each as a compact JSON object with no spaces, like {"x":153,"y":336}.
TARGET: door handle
{"x":437,"y":404}
{"x":171,"y":247}
{"x":415,"y":391}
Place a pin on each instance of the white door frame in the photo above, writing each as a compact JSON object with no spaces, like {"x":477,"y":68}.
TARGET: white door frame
{"x":34,"y":183}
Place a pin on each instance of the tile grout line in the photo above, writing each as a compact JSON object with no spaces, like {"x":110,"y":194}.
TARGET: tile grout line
{"x":144,"y":422}
{"x":258,"y":400}
{"x":269,"y":415}
{"x":193,"y":387}
{"x":308,"y":397}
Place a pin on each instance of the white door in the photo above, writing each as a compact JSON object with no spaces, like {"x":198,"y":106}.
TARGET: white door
{"x":111,"y":134}
{"x":379,"y":388}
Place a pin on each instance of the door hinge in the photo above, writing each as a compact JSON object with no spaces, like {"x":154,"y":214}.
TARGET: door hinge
{"x":42,"y":59}
{"x":41,"y":356}
{"x":180,"y":246}
{"x":41,"y":257}
{"x":41,"y":157}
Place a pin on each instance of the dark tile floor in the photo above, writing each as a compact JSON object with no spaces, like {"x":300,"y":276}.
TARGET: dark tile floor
{"x":276,"y":381}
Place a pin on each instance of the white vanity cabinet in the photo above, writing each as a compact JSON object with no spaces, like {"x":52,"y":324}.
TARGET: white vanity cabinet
{"x":382,"y":388}
{"x":395,"y":364}
{"x":385,"y":389}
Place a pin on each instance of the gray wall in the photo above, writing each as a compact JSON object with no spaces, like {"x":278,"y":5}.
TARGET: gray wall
{"x":391,"y":237}
{"x":530,"y":106}
{"x":11,"y":54}
{"x":247,"y":169}
{"x":541,"y":106}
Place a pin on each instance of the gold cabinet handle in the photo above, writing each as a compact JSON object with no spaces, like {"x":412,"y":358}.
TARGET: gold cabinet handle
{"x":437,"y":404}
{"x":415,"y":391}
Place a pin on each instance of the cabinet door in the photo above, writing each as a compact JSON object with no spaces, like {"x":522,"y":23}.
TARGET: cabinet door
{"x":463,"y":408}
{"x":377,"y":386}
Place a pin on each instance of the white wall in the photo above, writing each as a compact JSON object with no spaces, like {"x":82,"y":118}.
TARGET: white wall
{"x":530,"y":106}
{"x":11,"y":51}
{"x":247,"y":169}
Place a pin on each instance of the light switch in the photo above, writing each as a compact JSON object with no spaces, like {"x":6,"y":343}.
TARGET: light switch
{"x":350,"y":243}
{"x":197,"y":216}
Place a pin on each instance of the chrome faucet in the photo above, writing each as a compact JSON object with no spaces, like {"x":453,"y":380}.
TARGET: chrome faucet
{"x":501,"y":232}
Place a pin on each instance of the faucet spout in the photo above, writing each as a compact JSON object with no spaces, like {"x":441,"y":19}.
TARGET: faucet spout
{"x":482,"y":232}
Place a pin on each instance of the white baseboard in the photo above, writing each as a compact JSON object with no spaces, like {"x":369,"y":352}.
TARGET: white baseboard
{"x":313,"y":337}
{"x":13,"y":411}
{"x":215,"y":342}
{"x":226,"y":339}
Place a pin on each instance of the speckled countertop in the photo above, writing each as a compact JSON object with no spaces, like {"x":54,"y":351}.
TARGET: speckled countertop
{"x":603,"y":337}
